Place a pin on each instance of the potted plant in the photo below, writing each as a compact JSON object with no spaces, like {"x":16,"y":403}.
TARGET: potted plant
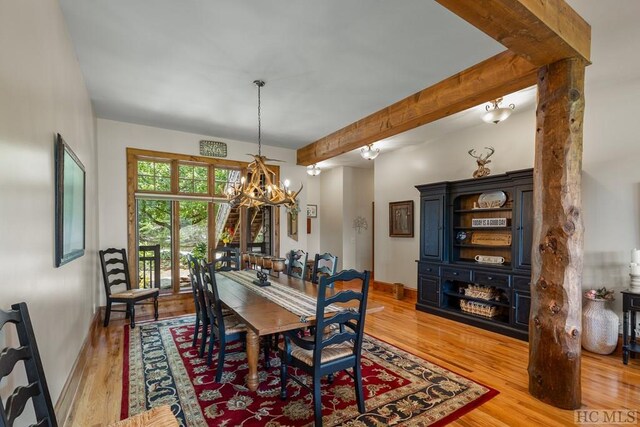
{"x":227,"y":235}
{"x":599,"y":324}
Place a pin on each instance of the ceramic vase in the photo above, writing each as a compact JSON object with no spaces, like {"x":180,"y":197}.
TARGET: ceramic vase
{"x":599,"y":327}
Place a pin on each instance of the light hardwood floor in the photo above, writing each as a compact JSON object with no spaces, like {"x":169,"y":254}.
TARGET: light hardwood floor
{"x":491,"y":359}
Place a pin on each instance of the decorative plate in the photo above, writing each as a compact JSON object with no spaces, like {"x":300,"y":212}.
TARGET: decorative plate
{"x":492,"y":199}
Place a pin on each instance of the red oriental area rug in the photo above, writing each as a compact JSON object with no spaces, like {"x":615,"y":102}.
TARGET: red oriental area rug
{"x":161,"y":367}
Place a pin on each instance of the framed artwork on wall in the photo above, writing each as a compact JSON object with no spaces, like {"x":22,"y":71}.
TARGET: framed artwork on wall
{"x":401,"y":219}
{"x":70,"y":187}
{"x":292,"y":226}
{"x":312,"y":211}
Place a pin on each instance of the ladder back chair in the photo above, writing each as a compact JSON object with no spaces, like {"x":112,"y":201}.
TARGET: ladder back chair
{"x":224,"y":329}
{"x":149,"y":266}
{"x":202,"y":317}
{"x":115,"y":271}
{"x":229,"y":261}
{"x":36,"y":389}
{"x":324,"y":265}
{"x":297,"y":264}
{"x":337,"y":342}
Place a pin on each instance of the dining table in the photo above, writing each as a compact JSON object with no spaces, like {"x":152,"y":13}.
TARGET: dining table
{"x":264,"y":315}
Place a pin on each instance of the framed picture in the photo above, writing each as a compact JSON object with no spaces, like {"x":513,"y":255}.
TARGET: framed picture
{"x":401,"y":219}
{"x":70,"y":183}
{"x":312,"y":211}
{"x":292,"y":226}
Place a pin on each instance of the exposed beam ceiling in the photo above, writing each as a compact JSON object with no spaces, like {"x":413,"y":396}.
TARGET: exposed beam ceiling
{"x":492,"y":78}
{"x":542,"y":31}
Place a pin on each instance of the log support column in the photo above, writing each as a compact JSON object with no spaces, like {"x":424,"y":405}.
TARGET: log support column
{"x":555,"y":322}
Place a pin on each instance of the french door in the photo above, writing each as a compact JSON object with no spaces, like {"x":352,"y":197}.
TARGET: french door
{"x":177,"y":206}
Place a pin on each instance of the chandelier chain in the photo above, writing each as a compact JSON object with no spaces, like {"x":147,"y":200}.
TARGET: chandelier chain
{"x":259,"y":123}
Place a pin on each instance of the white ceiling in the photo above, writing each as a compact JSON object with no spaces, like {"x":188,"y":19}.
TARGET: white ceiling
{"x":189,"y":65}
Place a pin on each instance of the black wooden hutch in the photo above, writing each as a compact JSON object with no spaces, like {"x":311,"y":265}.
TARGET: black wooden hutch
{"x":456,"y":226}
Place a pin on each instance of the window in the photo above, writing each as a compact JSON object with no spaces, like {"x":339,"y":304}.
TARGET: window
{"x":179,"y":203}
{"x":154,"y":176}
{"x":224,"y":178}
{"x":193,"y":179}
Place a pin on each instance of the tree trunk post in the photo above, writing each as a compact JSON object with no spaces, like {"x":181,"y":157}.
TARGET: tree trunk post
{"x":555,"y":321}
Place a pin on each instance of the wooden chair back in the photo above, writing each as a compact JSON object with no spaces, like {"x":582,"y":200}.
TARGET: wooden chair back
{"x":297,"y":264}
{"x":149,"y":266}
{"x":115,"y":269}
{"x":324,"y":265}
{"x":195,"y":278}
{"x":27,"y":352}
{"x":348,"y":323}
{"x":229,"y":261}
{"x":212,"y":297}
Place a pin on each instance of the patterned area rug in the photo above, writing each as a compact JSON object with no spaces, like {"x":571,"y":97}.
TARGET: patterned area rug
{"x":161,"y":367}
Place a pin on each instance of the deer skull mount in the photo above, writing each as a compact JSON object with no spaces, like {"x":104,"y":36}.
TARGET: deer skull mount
{"x":482,"y":161}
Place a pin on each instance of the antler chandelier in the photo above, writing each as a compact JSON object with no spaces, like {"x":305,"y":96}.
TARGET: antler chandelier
{"x":260,"y":186}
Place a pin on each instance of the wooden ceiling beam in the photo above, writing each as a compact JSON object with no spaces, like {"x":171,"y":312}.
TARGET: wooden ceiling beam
{"x":541,"y":31}
{"x":497,"y":76}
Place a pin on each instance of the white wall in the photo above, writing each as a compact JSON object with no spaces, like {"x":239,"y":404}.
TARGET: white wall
{"x":345,"y":193}
{"x":113,"y":140}
{"x":42,"y":92}
{"x":362,"y":195}
{"x":313,"y":197}
{"x":330,"y":213}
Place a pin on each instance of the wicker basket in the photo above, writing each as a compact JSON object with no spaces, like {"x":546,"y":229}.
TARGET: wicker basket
{"x":480,"y":309}
{"x":481,"y":292}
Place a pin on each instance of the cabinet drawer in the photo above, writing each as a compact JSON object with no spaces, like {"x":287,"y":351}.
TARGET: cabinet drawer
{"x":634,"y":302}
{"x":430,"y":269}
{"x":522,"y":283}
{"x":461,"y":274}
{"x":484,"y":278}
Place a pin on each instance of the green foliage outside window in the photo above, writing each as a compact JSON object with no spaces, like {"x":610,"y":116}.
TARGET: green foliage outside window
{"x":154,"y":176}
{"x":193,"y":179}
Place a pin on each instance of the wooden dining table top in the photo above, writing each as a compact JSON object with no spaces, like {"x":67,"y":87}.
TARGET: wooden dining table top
{"x":266,"y":317}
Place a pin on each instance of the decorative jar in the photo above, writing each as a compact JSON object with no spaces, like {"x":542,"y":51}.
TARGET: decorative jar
{"x":599,"y":324}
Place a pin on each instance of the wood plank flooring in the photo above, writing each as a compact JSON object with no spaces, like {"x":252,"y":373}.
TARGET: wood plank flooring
{"x":491,"y":359}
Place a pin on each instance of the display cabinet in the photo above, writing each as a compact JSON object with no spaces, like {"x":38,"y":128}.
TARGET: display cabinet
{"x":475,"y":251}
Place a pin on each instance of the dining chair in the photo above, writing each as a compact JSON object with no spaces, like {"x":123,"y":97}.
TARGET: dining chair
{"x":335,"y":346}
{"x":37,"y":389}
{"x":297,"y":266}
{"x":149,"y":262}
{"x":115,"y":271}
{"x":324,"y":265}
{"x":225,"y":328}
{"x":229,"y":261}
{"x":202,"y":317}
{"x":27,"y":352}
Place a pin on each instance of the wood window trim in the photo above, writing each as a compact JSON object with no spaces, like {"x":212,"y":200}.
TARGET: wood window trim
{"x":133,"y":155}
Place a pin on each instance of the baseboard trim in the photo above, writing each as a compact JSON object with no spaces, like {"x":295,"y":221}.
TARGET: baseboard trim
{"x":409,"y":293}
{"x":72,"y":385}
